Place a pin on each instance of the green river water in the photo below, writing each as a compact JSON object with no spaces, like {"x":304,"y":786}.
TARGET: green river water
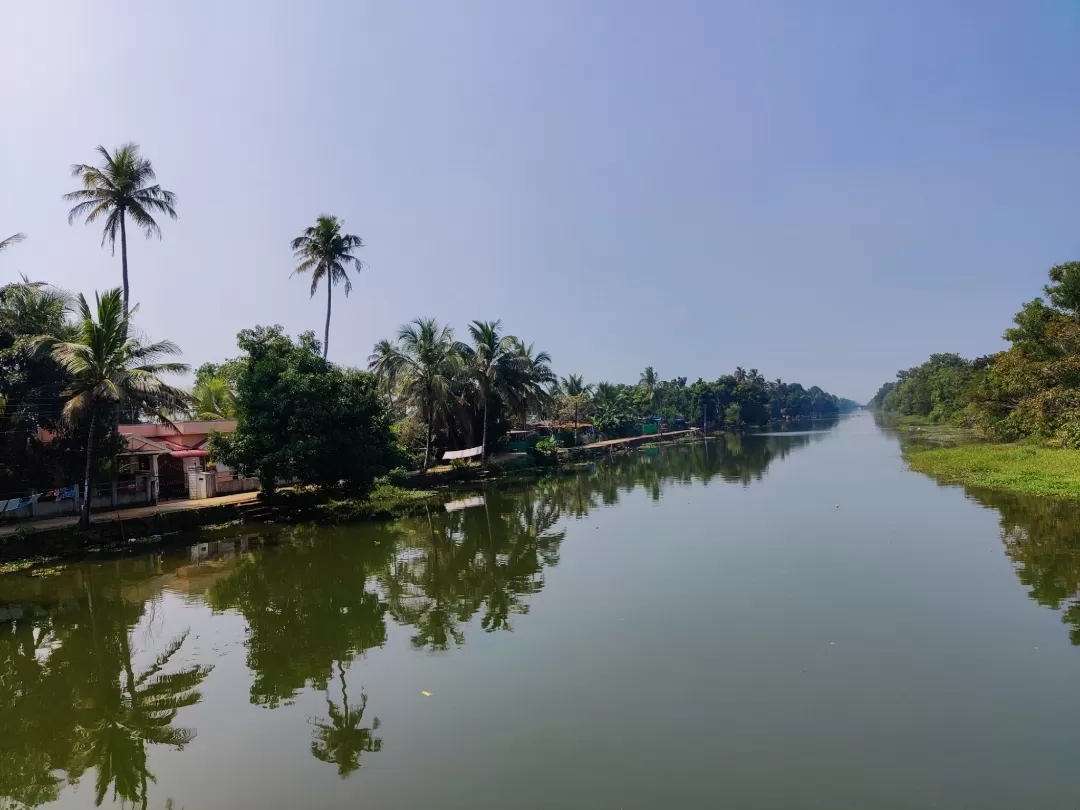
{"x":791,"y":620}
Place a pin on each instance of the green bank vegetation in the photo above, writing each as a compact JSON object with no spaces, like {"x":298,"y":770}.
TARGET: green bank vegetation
{"x":1022,"y":467}
{"x":1026,"y":400}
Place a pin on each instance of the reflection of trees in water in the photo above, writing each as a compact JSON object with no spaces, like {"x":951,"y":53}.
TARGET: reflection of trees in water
{"x":306,"y":606}
{"x":70,"y":698}
{"x":342,"y":740}
{"x":1042,"y":538}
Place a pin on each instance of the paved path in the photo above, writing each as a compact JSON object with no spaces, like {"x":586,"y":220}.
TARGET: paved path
{"x":654,"y":437}
{"x":129,"y":514}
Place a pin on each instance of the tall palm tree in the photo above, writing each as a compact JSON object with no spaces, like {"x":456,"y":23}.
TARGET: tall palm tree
{"x":327,"y":253}
{"x":427,"y":360}
{"x":492,"y":364}
{"x":108,"y":367}
{"x":123,"y":185}
{"x":14,"y":239}
{"x":535,"y":379}
{"x":343,"y":739}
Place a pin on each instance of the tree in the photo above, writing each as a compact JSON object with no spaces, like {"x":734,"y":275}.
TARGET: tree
{"x":118,"y":188}
{"x":14,"y":239}
{"x":575,"y":396}
{"x":30,"y":383}
{"x":533,"y":380}
{"x":492,"y":365}
{"x":301,"y":417}
{"x":648,"y":383}
{"x":380,"y":364}
{"x":327,"y":253}
{"x":110,"y":368}
{"x":214,"y":399}
{"x":428,"y":361}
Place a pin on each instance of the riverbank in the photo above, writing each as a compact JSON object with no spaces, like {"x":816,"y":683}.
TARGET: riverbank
{"x":118,"y":531}
{"x":1024,"y":468}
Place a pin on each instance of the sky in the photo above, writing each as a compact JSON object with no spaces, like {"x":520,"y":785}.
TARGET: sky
{"x":825,"y":191}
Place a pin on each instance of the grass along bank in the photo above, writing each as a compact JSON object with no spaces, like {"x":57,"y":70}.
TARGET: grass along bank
{"x":1025,"y":468}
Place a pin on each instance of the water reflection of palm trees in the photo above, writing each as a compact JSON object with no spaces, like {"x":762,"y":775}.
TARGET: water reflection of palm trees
{"x":343,"y":739}
{"x":71,"y":700}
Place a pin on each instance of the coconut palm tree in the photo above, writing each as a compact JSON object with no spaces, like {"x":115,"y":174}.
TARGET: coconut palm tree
{"x":343,"y":739}
{"x":535,"y":379}
{"x":109,"y":368}
{"x":123,"y":185}
{"x":648,"y":383}
{"x":214,"y":399}
{"x":427,"y":361}
{"x":14,"y":239}
{"x":492,"y":365}
{"x":327,"y":253}
{"x":576,"y":395}
{"x":381,"y":365}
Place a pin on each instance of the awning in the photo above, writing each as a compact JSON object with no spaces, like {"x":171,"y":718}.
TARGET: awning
{"x":472,"y":452}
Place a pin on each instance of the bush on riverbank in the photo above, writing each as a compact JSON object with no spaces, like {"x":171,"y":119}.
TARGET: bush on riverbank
{"x":1026,"y":468}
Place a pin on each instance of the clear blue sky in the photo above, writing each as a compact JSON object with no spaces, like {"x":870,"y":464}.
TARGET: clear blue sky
{"x":826,"y":191}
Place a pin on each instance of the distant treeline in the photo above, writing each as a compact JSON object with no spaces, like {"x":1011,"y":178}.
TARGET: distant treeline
{"x":1031,"y":389}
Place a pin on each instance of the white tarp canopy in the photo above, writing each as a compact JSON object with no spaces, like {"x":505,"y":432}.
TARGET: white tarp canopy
{"x":466,"y":503}
{"x":472,"y":452}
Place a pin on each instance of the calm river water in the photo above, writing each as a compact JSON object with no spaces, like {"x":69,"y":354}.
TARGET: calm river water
{"x":782,"y":621}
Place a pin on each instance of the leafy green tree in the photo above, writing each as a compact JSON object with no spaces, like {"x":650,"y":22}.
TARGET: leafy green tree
{"x":120,"y":187}
{"x":327,"y":253}
{"x":108,"y":368}
{"x":428,"y":362}
{"x":300,"y":417}
{"x":30,"y":383}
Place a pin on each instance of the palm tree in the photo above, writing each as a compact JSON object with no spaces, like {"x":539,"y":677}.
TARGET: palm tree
{"x":328,"y":253}
{"x":648,"y":382}
{"x":577,"y":397}
{"x":426,"y":360}
{"x":14,"y":239}
{"x":535,"y":379}
{"x":119,"y":187}
{"x":381,"y":365}
{"x":109,"y":368}
{"x":343,"y":739}
{"x":214,"y":399}
{"x":491,"y":362}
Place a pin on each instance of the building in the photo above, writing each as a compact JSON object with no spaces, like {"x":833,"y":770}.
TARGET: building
{"x":175,"y":462}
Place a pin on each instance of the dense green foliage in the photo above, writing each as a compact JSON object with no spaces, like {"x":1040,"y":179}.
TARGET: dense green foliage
{"x":107,"y":370}
{"x":302,"y":418}
{"x":1031,"y":389}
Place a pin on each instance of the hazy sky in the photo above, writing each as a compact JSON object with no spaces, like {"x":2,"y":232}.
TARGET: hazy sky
{"x":826,"y":191}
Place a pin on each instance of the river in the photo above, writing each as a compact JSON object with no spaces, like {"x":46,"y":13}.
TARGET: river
{"x":792,"y":620}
